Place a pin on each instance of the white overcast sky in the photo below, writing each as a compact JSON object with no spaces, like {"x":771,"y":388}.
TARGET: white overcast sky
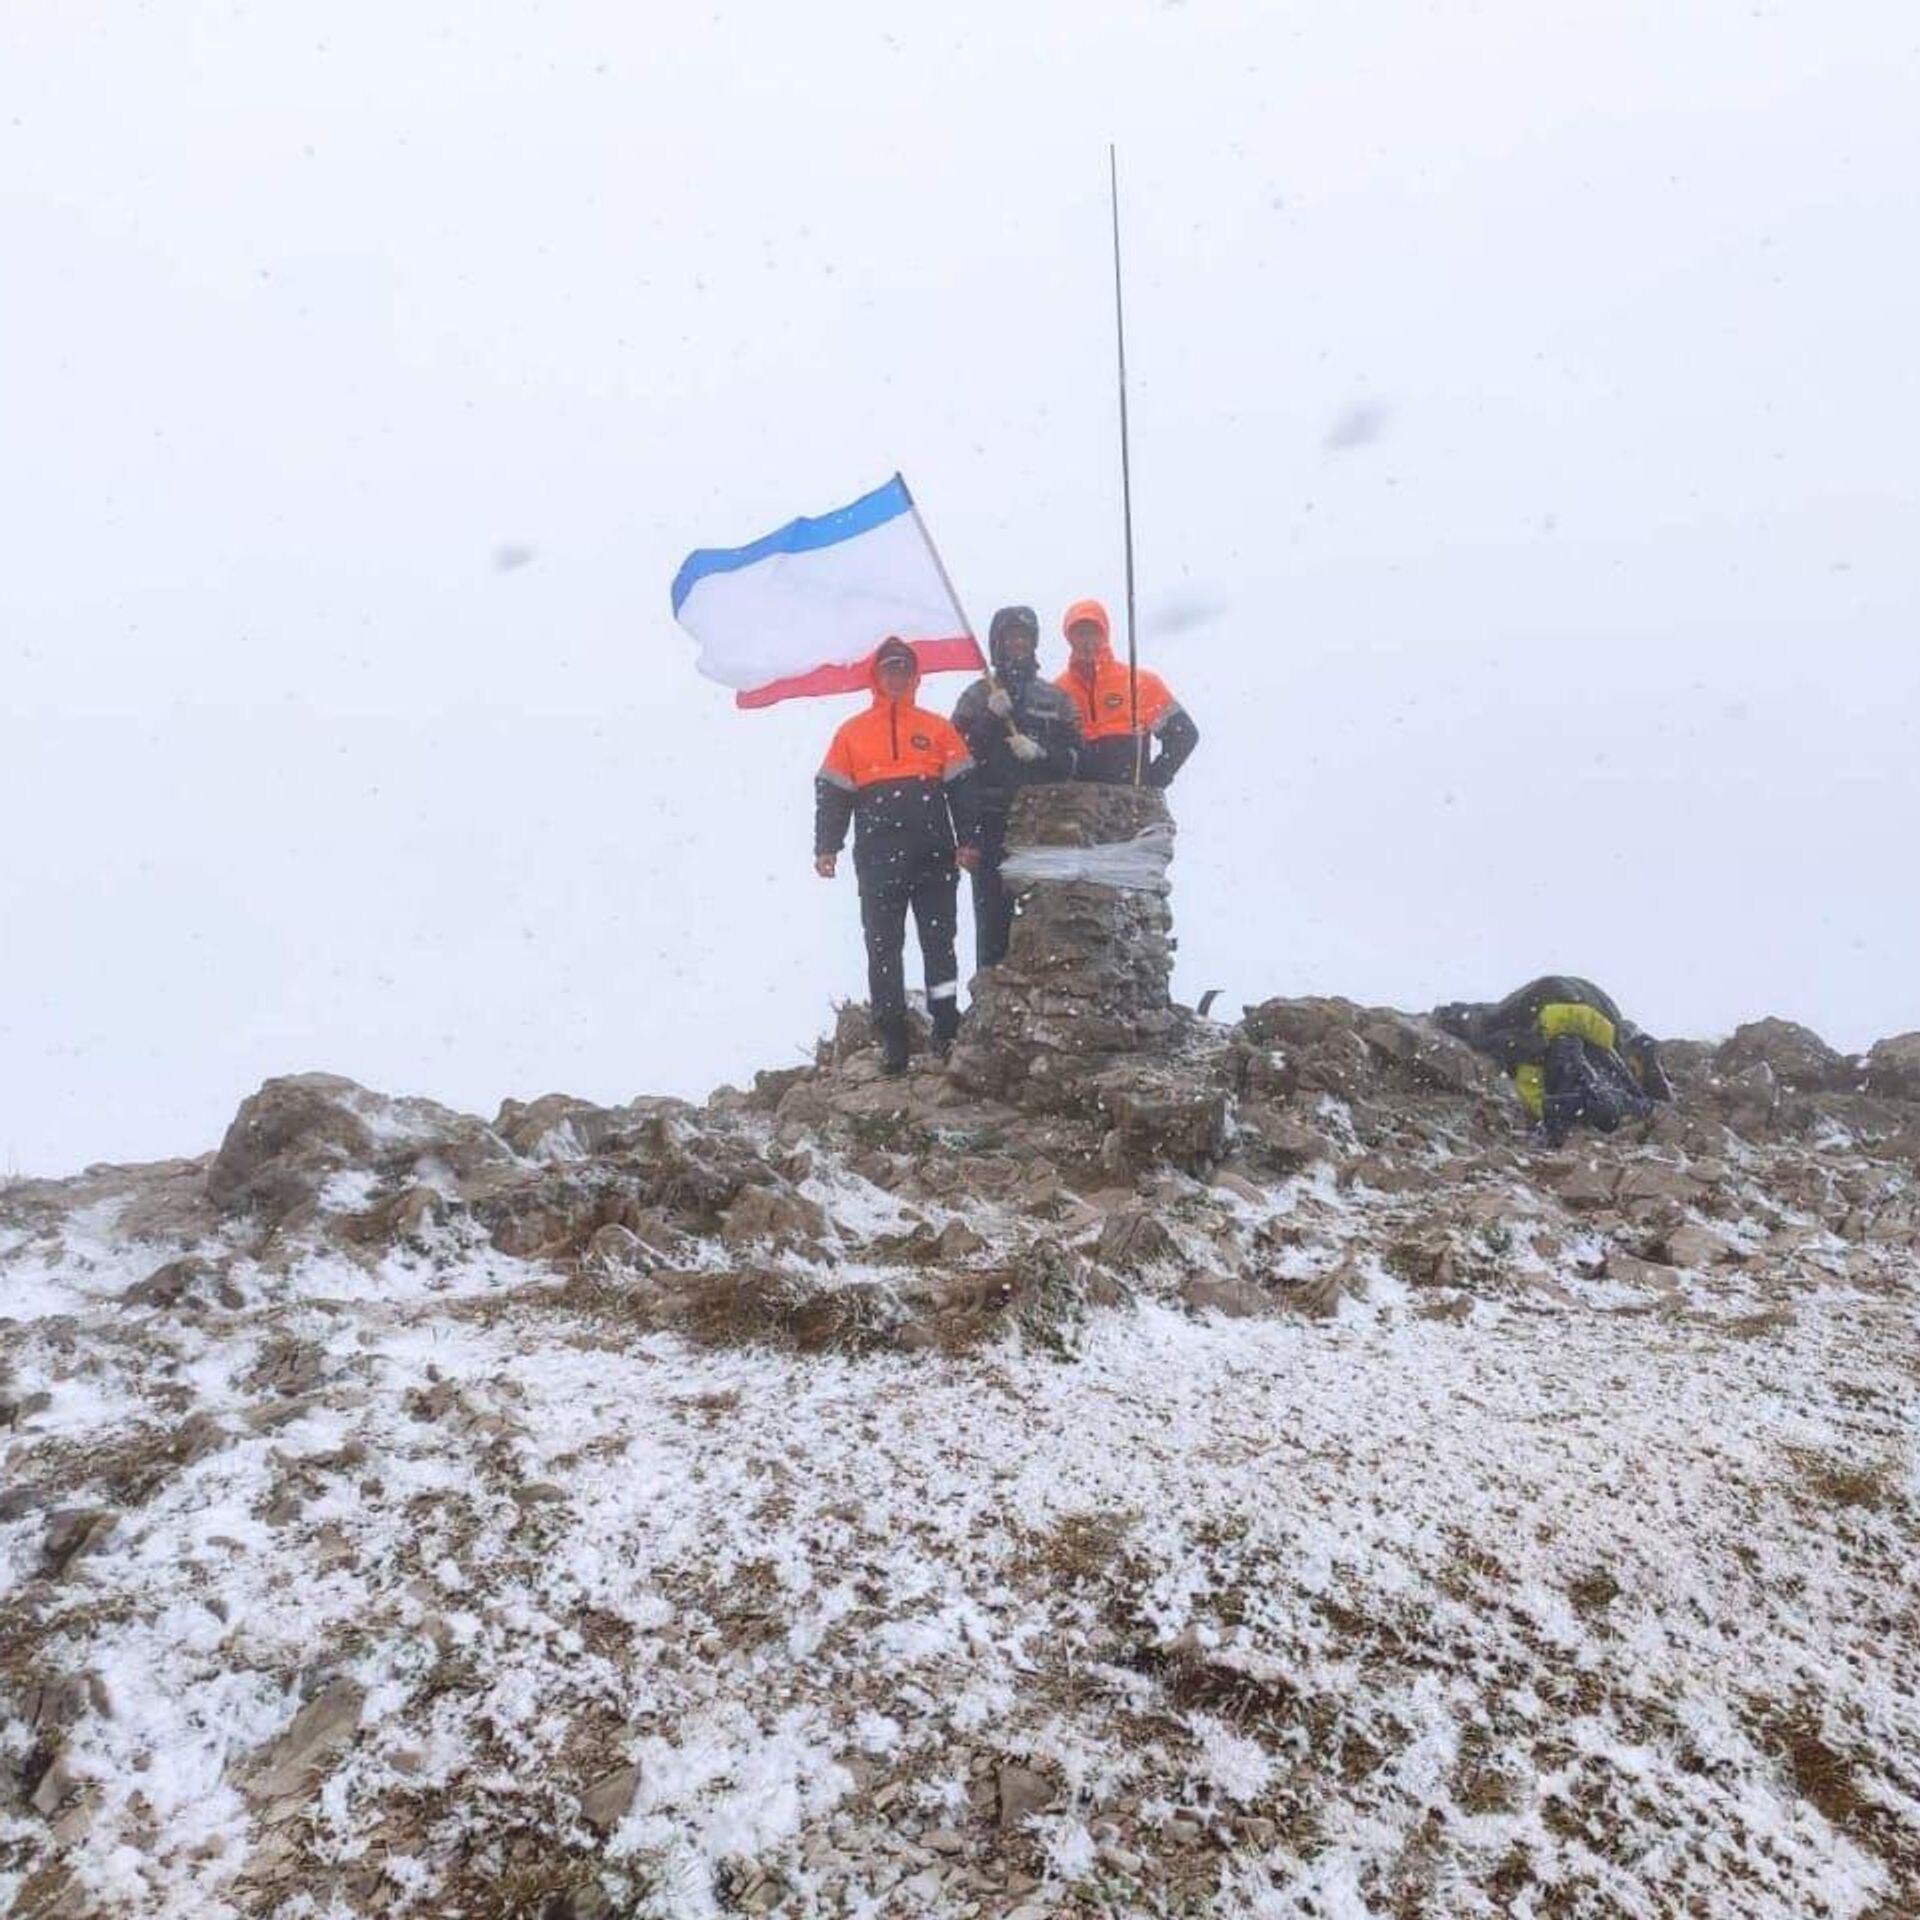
{"x":1525,"y":421}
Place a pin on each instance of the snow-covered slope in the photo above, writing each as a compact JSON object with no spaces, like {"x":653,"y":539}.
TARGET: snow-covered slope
{"x":852,"y":1498}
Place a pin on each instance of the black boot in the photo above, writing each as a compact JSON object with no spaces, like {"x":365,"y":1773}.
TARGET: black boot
{"x":891,"y":1030}
{"x":946,"y":1023}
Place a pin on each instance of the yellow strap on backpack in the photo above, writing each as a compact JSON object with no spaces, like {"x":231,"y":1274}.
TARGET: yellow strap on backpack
{"x":1559,"y":1017}
{"x":1530,"y":1083}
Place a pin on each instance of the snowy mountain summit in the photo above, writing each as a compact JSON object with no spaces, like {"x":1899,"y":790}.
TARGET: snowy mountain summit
{"x":1145,"y":1466}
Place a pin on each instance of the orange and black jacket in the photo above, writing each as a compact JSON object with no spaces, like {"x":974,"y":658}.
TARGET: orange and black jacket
{"x":1103,"y":700}
{"x":904,"y":778}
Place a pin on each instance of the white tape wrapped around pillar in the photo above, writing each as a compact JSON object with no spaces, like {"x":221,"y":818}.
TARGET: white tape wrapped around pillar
{"x":1138,"y":865}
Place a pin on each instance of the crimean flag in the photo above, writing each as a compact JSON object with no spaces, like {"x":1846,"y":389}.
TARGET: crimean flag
{"x":801,"y":610}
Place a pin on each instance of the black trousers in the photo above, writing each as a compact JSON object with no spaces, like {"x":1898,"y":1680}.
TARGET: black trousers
{"x":992,"y":902}
{"x":932,"y":895}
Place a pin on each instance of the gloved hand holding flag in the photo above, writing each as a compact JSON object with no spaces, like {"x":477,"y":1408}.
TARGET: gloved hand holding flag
{"x":800,"y":611}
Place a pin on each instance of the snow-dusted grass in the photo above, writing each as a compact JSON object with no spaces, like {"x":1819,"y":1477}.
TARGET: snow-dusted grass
{"x":1565,"y":1606}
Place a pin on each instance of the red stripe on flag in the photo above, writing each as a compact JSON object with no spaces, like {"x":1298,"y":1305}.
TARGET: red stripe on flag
{"x":960,"y":654}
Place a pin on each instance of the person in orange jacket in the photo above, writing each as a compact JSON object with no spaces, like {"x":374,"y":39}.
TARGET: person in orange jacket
{"x":904,"y":779}
{"x":1097,"y":684}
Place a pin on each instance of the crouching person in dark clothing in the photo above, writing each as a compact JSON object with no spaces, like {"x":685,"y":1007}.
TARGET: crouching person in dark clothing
{"x":1576,"y":1060}
{"x":903,"y":777}
{"x":1021,"y":731}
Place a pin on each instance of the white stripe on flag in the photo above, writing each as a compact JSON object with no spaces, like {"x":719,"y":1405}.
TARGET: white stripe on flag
{"x":800,"y":610}
{"x":791,"y":612}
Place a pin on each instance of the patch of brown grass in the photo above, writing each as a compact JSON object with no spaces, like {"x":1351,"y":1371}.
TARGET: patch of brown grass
{"x":1834,"y":1482}
{"x":1480,"y":1784}
{"x":1470,"y":1571}
{"x":1594,"y":1592}
{"x":750,"y":1607}
{"x":1754,"y":1326}
{"x":125,"y":1472}
{"x":1082,"y":1549}
{"x":1830,"y":1781}
{"x":1194,"y":1682}
{"x":520,"y":1872}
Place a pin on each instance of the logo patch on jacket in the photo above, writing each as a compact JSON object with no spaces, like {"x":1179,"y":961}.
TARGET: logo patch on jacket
{"x":1113,"y":700}
{"x":921,"y":741}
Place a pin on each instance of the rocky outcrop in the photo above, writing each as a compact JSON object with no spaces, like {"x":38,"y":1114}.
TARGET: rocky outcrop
{"x":391,"y":1462}
{"x":1321,"y":1045}
{"x":292,"y":1137}
{"x":557,"y":1127}
{"x":1798,"y":1059}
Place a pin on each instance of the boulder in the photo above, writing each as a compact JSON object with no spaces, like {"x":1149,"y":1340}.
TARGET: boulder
{"x":286,"y":1141}
{"x":1893,"y":1068}
{"x":557,"y":1127}
{"x":605,"y":1803}
{"x":1021,"y":1793}
{"x":1750,"y":1098}
{"x":1168,"y":1121}
{"x":1230,"y":1297}
{"x":188,"y":1280}
{"x":1800,"y":1060}
{"x":1581,"y":1181}
{"x":1133,"y":1238}
{"x":1299,"y":1025}
{"x":1692,"y":1245}
{"x":1651,"y":1180}
{"x":1278,"y":1140}
{"x":294,"y":1135}
{"x":290,"y":1767}
{"x":772,"y":1214}
{"x":72,"y":1534}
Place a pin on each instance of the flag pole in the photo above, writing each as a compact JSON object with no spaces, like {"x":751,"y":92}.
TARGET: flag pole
{"x":946,"y":579}
{"x":1126,"y":469}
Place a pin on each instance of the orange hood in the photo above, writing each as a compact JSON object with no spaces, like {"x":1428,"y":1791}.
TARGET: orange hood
{"x":1094,"y":611}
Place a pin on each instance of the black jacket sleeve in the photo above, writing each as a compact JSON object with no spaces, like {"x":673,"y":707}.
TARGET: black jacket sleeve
{"x":832,"y":810}
{"x":963,"y":803}
{"x":1178,"y":737}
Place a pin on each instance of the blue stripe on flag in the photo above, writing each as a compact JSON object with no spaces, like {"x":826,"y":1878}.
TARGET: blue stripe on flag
{"x":797,"y":536}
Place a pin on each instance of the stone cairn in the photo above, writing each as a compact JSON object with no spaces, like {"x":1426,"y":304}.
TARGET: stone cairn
{"x":1086,"y":984}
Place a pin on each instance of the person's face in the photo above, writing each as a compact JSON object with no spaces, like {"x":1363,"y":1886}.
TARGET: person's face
{"x":896,"y":678}
{"x":1084,"y":638}
{"x":1016,"y":648}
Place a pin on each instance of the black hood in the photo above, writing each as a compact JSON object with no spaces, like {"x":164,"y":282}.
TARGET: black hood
{"x":1014,"y":675}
